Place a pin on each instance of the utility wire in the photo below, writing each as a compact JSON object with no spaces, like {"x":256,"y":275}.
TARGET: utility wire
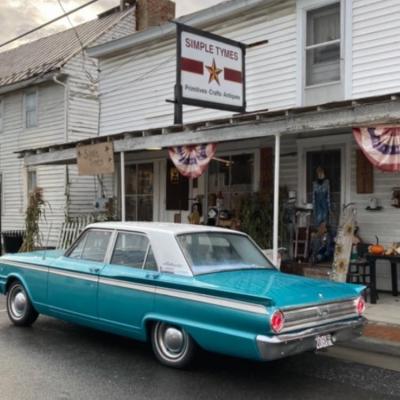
{"x":90,"y":77}
{"x":47,"y":23}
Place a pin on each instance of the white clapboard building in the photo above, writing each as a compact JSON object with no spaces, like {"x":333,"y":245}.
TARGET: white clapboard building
{"x":49,"y":95}
{"x":328,"y":66}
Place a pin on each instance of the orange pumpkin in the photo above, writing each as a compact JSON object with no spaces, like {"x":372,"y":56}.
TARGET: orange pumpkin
{"x":376,"y":249}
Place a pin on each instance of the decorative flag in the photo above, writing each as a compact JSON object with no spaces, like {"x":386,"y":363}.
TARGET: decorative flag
{"x":192,"y":161}
{"x":381,"y":145}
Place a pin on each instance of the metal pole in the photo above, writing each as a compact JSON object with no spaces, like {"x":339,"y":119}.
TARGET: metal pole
{"x":276,"y":198}
{"x":123,"y":209}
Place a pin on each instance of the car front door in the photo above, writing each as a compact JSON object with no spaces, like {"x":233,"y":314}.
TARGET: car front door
{"x":126,"y":284}
{"x":73,"y":281}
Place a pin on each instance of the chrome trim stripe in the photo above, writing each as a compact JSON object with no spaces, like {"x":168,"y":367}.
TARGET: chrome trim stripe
{"x":203,"y":298}
{"x":180,"y":294}
{"x":128,"y":285}
{"x":33,"y":267}
{"x":76,"y":275}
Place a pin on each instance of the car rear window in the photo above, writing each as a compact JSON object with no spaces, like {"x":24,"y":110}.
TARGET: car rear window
{"x":219,"y":251}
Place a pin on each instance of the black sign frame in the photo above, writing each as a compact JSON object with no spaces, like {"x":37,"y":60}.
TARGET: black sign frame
{"x":179,"y":98}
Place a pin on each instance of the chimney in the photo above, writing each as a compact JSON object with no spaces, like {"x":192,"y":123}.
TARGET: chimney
{"x":153,"y":12}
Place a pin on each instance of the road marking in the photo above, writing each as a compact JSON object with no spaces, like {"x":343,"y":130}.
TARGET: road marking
{"x":3,"y":310}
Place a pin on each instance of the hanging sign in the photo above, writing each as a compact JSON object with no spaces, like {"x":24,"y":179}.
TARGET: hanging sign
{"x":381,"y":145}
{"x":211,"y":70}
{"x":95,"y":159}
{"x":192,"y":161}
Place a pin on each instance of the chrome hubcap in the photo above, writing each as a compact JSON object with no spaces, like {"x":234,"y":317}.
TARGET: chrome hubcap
{"x":171,"y":341}
{"x":18,"y":302}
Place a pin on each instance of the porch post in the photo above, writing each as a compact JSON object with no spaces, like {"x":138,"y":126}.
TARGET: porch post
{"x":122,"y":165}
{"x":276,"y":197}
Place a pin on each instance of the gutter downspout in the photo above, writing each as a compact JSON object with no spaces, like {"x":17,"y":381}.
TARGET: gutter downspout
{"x":66,"y":124}
{"x":276,"y":199}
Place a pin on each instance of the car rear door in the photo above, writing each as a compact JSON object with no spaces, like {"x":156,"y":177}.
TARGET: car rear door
{"x":126,"y":284}
{"x":73,"y":280}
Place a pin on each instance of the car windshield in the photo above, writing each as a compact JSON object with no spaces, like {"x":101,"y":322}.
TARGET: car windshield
{"x":209,"y":252}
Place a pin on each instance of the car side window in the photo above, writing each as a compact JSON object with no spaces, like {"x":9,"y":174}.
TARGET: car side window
{"x":92,"y":246}
{"x":151,"y":263}
{"x":77,"y":247}
{"x":130,"y":250}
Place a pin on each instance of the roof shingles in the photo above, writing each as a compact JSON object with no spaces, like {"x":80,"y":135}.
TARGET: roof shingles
{"x":34,"y":59}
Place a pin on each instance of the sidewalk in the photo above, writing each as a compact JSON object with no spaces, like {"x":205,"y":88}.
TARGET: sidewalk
{"x":382,"y":333}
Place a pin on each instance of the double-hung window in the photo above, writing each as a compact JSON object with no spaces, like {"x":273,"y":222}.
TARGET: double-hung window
{"x":323,"y":42}
{"x":31,"y":119}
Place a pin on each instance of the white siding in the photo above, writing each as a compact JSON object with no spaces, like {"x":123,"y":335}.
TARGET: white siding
{"x":376,"y":47}
{"x":16,"y":137}
{"x":135,"y":85}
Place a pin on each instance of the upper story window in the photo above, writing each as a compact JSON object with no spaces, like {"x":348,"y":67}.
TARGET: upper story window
{"x":323,"y":39}
{"x":30,"y":104}
{"x":1,"y":114}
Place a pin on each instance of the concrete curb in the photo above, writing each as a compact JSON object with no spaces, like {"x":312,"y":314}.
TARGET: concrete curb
{"x":374,"y":345}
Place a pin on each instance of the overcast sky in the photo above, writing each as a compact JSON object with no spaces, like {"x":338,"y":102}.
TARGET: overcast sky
{"x":19,"y":16}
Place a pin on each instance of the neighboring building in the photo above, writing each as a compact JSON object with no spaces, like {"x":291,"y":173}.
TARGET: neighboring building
{"x":49,"y":95}
{"x":319,"y":51}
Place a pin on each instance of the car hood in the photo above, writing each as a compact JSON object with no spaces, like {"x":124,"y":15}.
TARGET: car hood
{"x":282,"y":289}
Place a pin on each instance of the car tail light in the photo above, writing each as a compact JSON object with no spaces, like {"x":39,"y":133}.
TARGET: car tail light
{"x":360,"y":304}
{"x":277,"y":321}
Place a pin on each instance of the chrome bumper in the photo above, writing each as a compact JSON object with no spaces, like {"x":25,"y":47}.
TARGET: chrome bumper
{"x":279,"y":346}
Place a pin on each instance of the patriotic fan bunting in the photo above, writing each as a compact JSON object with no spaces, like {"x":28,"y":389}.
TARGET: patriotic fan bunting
{"x":192,"y":161}
{"x":381,"y":145}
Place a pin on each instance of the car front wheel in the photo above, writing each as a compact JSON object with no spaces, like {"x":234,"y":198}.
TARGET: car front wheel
{"x":172,"y":345}
{"x":19,"y":307}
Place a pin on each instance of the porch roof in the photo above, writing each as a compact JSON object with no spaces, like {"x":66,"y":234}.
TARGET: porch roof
{"x":332,"y":117}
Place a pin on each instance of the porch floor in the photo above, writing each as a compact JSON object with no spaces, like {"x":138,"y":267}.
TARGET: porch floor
{"x":387,"y":310}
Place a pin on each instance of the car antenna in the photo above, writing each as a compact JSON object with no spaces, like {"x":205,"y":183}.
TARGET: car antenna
{"x":47,"y":241}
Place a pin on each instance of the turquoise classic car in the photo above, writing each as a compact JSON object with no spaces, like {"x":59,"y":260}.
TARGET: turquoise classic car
{"x":181,"y":287}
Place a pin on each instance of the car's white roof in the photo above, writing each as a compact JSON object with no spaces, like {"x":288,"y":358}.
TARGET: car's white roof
{"x":159,"y":227}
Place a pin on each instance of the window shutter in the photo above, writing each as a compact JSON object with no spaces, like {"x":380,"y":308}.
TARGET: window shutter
{"x":365,"y":174}
{"x":266,"y":170}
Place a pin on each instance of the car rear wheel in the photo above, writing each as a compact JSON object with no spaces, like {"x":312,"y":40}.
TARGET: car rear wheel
{"x":172,"y":345}
{"x":19,"y":307}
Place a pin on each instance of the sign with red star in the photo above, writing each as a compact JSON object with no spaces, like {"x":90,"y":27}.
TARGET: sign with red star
{"x":211,"y":70}
{"x":214,"y":72}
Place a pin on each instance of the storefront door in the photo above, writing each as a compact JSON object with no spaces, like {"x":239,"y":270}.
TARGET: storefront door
{"x":139,"y":191}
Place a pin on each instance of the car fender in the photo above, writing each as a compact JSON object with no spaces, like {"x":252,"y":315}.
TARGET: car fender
{"x":209,"y":337}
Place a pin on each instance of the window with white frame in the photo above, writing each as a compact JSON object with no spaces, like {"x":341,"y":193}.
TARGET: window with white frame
{"x":1,"y":114}
{"x":31,"y":181}
{"x":31,"y":109}
{"x":323,"y":45}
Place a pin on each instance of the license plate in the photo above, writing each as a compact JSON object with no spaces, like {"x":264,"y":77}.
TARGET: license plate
{"x":323,"y":341}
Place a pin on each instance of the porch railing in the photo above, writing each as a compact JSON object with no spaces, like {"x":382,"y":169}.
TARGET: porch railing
{"x":71,"y":230}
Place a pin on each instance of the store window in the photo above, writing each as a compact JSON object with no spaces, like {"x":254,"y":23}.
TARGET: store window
{"x":230,"y":179}
{"x":139,"y":180}
{"x":323,"y":41}
{"x":31,"y":109}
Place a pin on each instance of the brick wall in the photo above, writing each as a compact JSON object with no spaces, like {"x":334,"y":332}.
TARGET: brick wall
{"x":153,"y":12}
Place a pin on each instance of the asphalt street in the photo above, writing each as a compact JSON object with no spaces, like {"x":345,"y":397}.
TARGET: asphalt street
{"x":60,"y":361}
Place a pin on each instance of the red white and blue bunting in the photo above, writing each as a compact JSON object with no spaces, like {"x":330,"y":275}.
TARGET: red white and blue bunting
{"x":381,"y":145}
{"x":192,"y":161}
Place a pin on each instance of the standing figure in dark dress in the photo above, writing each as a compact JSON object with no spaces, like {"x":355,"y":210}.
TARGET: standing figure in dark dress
{"x":321,"y":198}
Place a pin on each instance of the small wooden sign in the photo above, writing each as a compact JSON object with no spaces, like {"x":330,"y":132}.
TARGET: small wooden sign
{"x":95,"y":159}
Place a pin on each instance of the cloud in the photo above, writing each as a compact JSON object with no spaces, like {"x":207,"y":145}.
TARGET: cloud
{"x":19,"y":16}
